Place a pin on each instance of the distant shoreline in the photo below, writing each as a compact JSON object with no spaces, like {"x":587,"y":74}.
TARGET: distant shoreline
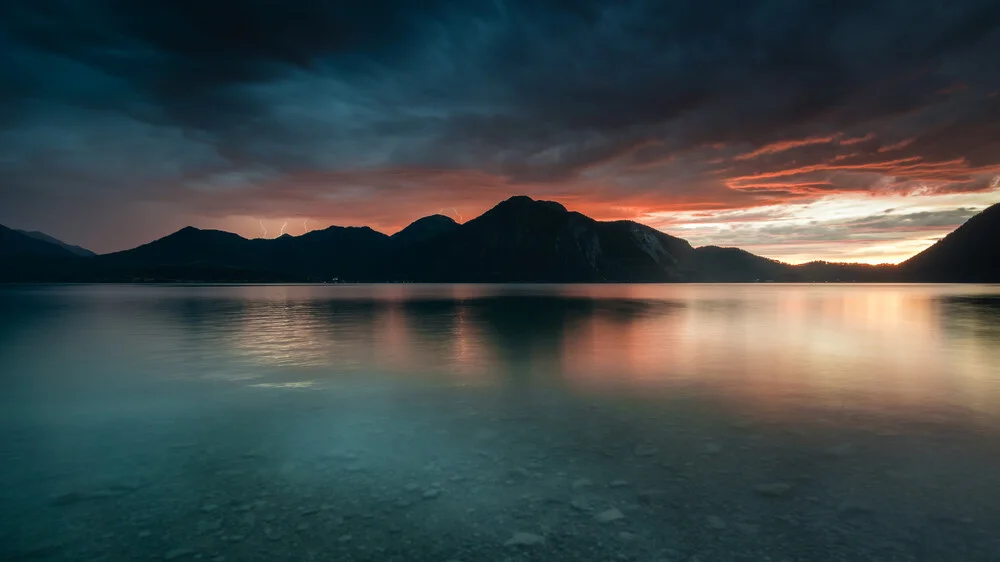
{"x":477,"y":283}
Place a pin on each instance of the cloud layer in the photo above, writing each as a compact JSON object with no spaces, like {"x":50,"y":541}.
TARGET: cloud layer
{"x":120,"y":121}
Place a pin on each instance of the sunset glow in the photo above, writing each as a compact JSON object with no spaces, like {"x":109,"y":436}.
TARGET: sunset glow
{"x":727,"y":134}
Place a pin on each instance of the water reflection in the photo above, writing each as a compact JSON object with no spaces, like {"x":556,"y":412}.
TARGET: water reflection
{"x":437,"y":422}
{"x":866,"y":346}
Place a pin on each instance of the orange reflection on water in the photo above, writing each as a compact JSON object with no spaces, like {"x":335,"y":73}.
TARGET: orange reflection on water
{"x":772,"y":345}
{"x":763,"y":346}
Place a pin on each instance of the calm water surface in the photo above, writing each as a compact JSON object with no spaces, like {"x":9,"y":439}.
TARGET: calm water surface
{"x":468,"y":423}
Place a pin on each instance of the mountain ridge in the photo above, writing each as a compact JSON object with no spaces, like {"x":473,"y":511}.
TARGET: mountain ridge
{"x":78,"y":250}
{"x":15,"y":243}
{"x":970,"y":253}
{"x":518,"y":240}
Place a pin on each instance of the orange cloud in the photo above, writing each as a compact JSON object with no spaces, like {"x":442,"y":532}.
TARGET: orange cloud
{"x":896,"y":146}
{"x":782,"y":146}
{"x":860,"y":167}
{"x":857,"y":140}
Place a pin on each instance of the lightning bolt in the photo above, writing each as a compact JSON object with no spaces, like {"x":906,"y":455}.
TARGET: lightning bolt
{"x":262,"y":227}
{"x":305,"y":226}
{"x":283,"y":226}
{"x":454,"y":211}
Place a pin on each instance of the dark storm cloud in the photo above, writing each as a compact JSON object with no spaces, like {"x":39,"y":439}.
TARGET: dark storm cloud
{"x":216,"y":106}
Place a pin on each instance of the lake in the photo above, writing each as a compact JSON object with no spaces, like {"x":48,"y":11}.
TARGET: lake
{"x":444,"y":423}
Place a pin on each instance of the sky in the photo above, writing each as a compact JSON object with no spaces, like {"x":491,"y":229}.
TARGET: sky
{"x":839,"y":130}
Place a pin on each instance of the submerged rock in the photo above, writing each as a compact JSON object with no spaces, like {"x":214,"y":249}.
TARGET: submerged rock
{"x":774,"y":489}
{"x":208,"y":526}
{"x":841,"y":451}
{"x":524,"y":539}
{"x":73,"y":498}
{"x":519,"y":474}
{"x":618,"y":484}
{"x":651,"y":496}
{"x":178,"y":553}
{"x":249,"y":520}
{"x":644,"y":450}
{"x":44,"y":551}
{"x":273,"y":534}
{"x":851,"y":508}
{"x":609,"y":515}
{"x":486,"y":435}
{"x":715,"y":522}
{"x":582,"y":483}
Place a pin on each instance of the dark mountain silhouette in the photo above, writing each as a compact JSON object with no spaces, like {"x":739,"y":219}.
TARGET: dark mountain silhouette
{"x":335,"y":252}
{"x":970,"y":254}
{"x":346,"y":253}
{"x":76,"y":250}
{"x":425,"y":229}
{"x":17,"y":244}
{"x":523,"y":240}
{"x":728,"y":265}
{"x":187,"y":247}
{"x":25,"y":258}
{"x":825,"y":271}
{"x":518,"y":240}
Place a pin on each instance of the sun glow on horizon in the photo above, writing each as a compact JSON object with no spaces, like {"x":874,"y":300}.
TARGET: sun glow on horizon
{"x":841,"y":228}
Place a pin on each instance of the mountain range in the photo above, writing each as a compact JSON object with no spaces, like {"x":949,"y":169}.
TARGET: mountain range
{"x":518,"y":240}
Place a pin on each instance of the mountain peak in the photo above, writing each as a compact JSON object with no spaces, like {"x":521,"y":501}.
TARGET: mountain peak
{"x":432,"y":219}
{"x":425,"y":228}
{"x":437,"y":217}
{"x":190,"y":234}
{"x":523,"y":202}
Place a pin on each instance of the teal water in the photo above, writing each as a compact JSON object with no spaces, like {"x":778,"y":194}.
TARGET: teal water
{"x":439,"y":422}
